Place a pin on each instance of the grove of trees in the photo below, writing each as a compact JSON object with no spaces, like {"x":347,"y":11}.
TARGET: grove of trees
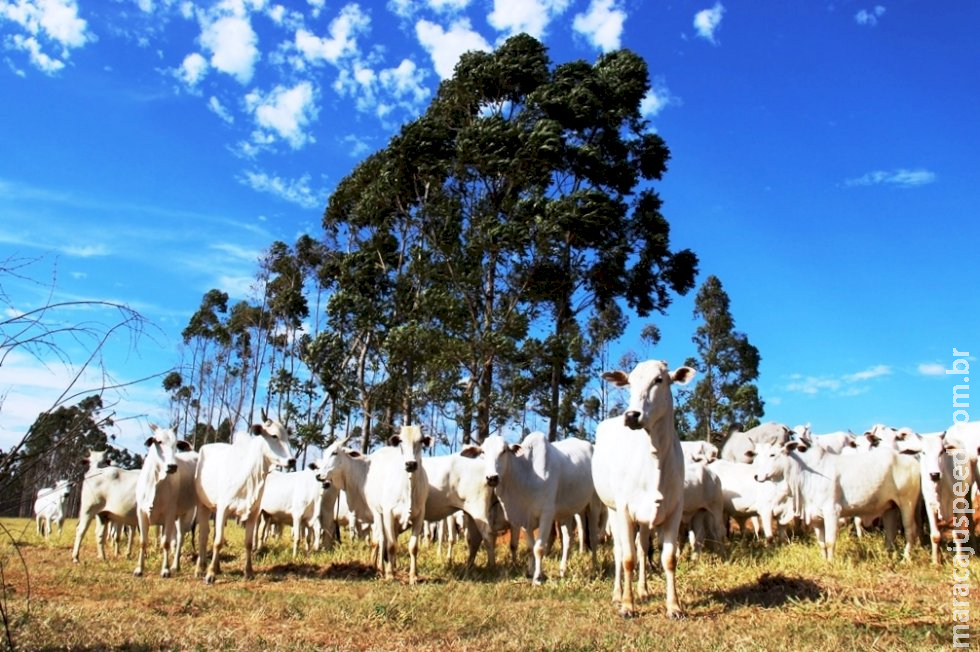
{"x":471,"y":274}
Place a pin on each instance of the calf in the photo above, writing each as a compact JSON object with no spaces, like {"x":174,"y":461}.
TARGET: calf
{"x":297,"y":499}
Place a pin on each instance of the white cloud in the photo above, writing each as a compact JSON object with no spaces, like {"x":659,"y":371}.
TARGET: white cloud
{"x":531,"y":16}
{"x":931,"y":369}
{"x":901,"y":177}
{"x":46,"y":23}
{"x":193,"y":69}
{"x":215,"y":105}
{"x":874,"y":372}
{"x":85,"y":251}
{"x":708,"y":21}
{"x":285,"y":112}
{"x":851,"y":384}
{"x":445,"y":47}
{"x":602,"y":24}
{"x":294,"y":191}
{"x":233,"y":45}
{"x":869,"y":17}
{"x":358,"y":145}
{"x":656,"y":99}
{"x":342,"y":39}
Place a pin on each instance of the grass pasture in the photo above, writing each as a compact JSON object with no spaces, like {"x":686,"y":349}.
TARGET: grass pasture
{"x":761,"y":599}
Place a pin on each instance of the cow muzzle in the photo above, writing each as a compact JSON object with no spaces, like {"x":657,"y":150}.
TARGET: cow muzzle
{"x":632,"y":420}
{"x":325,"y":484}
{"x":493,"y":480}
{"x":934,"y":477}
{"x":412,"y":466}
{"x":171,"y":469}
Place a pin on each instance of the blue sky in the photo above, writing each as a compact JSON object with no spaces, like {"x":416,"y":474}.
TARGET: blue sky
{"x":824,"y":165}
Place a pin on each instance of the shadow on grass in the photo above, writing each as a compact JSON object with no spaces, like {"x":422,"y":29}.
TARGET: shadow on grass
{"x":770,"y":590}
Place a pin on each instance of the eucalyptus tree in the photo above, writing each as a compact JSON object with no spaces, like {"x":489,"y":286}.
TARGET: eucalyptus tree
{"x":726,"y":394}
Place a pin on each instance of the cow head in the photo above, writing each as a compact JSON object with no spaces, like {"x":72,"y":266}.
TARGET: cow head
{"x":162,"y":448}
{"x":770,"y":460}
{"x":650,"y":398}
{"x":276,"y":442}
{"x":410,"y":442}
{"x":334,"y":458}
{"x":63,"y":487}
{"x":496,"y":454}
{"x":96,"y":460}
{"x":902,"y":440}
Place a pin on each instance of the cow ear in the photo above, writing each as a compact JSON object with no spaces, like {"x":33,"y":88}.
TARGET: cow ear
{"x":617,"y":378}
{"x":257,"y":429}
{"x":149,"y":441}
{"x":427,"y":441}
{"x":682,"y":375}
{"x":471,"y":452}
{"x":311,"y":466}
{"x":354,"y":454}
{"x":394,"y":440}
{"x":515,"y":448}
{"x":184,"y":446}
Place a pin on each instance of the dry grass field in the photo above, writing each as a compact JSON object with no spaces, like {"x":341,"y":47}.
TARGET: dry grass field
{"x":780,"y":598}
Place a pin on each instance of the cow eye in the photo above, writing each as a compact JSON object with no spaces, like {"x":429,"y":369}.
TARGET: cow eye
{"x":658,"y":380}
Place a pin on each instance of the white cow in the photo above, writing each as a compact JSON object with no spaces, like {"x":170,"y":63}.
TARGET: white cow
{"x":299,"y":500}
{"x":165,"y":496}
{"x":638,"y":470}
{"x":902,"y":440}
{"x":746,"y":498}
{"x":772,"y":433}
{"x":738,"y":448}
{"x":699,"y":451}
{"x":457,"y":482}
{"x":108,"y":494}
{"x":346,"y":470}
{"x":965,"y":436}
{"x":704,"y":508}
{"x":946,"y":477}
{"x":230,"y":480}
{"x":396,"y":488}
{"x":538,"y":484}
{"x":49,"y":507}
{"x":813,"y":485}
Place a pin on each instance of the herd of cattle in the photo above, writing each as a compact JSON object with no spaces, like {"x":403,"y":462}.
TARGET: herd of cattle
{"x":638,"y":479}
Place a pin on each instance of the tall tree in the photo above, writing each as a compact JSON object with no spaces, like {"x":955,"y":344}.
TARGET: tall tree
{"x":513,"y":192}
{"x":726,"y":395}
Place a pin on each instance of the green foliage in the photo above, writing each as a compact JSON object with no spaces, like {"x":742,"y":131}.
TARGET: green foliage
{"x":725,"y":395}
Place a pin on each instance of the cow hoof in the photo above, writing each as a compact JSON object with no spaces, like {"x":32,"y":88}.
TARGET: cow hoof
{"x":165,"y":573}
{"x":626,"y":614}
{"x":677,"y":614}
{"x":209,"y":579}
{"x":137,"y":573}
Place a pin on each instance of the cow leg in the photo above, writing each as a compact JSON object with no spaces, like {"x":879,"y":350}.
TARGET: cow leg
{"x":143,"y":523}
{"x":890,"y":522}
{"x":129,"y":542}
{"x":935,"y":535}
{"x":668,"y":558}
{"x":642,"y":546}
{"x":297,"y":532}
{"x":251,"y":523}
{"x":909,"y":525}
{"x":625,"y":533}
{"x":566,"y":545}
{"x":545,"y":525}
{"x":101,"y":524}
{"x":84,"y":519}
{"x":220,"y":518}
{"x":390,"y":540}
{"x":203,"y":533}
{"x":413,"y":549}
